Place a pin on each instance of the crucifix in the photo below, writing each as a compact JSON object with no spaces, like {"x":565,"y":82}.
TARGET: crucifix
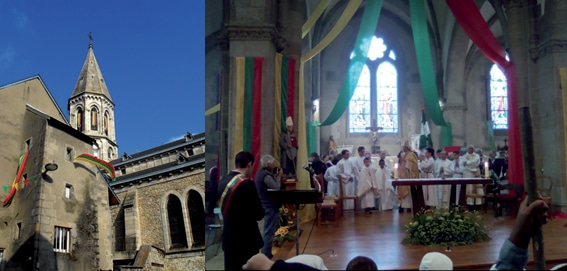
{"x":374,"y":129}
{"x":90,"y":38}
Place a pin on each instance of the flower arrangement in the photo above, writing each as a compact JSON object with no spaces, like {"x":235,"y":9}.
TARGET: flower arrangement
{"x":283,"y":233}
{"x":453,"y":228}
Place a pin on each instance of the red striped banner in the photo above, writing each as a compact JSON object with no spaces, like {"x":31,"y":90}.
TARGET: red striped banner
{"x":249,"y":112}
{"x":98,"y":162}
{"x":20,"y":170}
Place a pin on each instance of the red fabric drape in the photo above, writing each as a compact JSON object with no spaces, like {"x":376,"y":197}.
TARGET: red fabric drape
{"x":469,"y":18}
{"x":257,"y":112}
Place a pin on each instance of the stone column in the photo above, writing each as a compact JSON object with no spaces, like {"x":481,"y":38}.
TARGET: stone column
{"x":548,"y":98}
{"x":254,"y":28}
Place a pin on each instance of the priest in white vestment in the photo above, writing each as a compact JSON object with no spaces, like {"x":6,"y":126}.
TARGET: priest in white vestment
{"x":472,"y":170}
{"x":444,"y":169}
{"x":427,"y":166}
{"x":347,"y":170}
{"x":359,"y":163}
{"x":458,"y":166}
{"x":367,"y":186}
{"x":384,"y":184}
{"x":332,"y":178}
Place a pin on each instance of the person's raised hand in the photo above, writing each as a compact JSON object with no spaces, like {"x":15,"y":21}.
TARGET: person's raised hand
{"x":258,"y":262}
{"x":530,"y":217}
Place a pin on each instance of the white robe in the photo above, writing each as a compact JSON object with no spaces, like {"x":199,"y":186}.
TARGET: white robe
{"x":332,"y":177}
{"x":458,"y":173}
{"x":444,"y":190}
{"x":429,"y":191}
{"x":346,"y":169}
{"x":366,"y":186}
{"x":385,"y":188}
{"x":471,"y":169}
{"x":358,"y":165}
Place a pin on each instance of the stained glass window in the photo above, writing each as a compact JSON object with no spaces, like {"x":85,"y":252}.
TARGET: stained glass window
{"x":360,"y":104}
{"x":498,"y":98}
{"x":376,"y":104}
{"x":387,"y":97}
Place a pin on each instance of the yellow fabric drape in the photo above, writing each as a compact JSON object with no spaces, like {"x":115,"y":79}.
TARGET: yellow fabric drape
{"x":349,"y":11}
{"x":277,"y":106}
{"x":304,"y":183}
{"x":213,"y":109}
{"x":563,"y":78}
{"x":239,"y":114}
{"x":314,"y":17}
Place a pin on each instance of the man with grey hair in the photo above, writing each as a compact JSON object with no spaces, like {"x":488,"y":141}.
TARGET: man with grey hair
{"x":266,"y":179}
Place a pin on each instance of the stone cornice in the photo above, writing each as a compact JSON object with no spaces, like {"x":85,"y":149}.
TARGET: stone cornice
{"x":249,"y":32}
{"x":552,"y":46}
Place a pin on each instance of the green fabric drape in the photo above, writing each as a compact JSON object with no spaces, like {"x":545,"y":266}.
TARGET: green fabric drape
{"x":424,"y":61}
{"x":361,"y":46}
{"x":311,"y":138}
{"x":426,"y":70}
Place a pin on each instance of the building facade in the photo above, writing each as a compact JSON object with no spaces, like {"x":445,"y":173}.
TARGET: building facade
{"x":160,"y":222}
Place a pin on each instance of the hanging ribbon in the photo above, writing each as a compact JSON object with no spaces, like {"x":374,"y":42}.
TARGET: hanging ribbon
{"x":20,"y":170}
{"x":425,"y":62}
{"x":349,"y":11}
{"x":99,"y":163}
{"x":314,"y":17}
{"x":470,"y":19}
{"x":361,"y":46}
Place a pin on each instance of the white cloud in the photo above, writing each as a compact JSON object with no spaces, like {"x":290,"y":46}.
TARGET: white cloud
{"x":176,"y":138}
{"x":7,"y":56}
{"x":21,"y":18}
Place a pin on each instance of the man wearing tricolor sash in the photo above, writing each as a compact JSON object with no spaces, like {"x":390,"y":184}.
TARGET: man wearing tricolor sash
{"x":241,"y":210}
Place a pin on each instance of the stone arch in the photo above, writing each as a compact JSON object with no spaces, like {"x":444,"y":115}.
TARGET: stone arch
{"x":196,"y":210}
{"x":106,"y":122}
{"x":80,"y":113}
{"x":94,"y":115}
{"x":175,"y":235}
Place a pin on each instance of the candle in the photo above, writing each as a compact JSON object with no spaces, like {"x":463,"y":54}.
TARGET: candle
{"x":486,"y":171}
{"x":396,"y":171}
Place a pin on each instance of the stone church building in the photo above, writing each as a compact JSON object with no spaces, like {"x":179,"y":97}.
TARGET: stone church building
{"x":69,"y":215}
{"x":470,"y":89}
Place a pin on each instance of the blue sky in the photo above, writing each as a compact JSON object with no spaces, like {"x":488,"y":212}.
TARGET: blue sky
{"x":151,"y":54}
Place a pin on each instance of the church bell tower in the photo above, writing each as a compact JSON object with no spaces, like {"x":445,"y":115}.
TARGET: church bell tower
{"x":91,"y":109}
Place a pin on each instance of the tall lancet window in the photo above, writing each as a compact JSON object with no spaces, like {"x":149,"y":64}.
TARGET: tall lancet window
{"x":498,"y":98}
{"x":105,"y":122}
{"x":197,"y":217}
{"x":94,"y":119}
{"x":80,"y":120}
{"x":176,"y":223}
{"x":375,"y":99}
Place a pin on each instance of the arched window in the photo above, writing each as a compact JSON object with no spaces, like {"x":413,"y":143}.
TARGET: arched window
{"x":105,"y":122}
{"x":498,"y":98}
{"x":176,"y":223}
{"x":94,"y":123}
{"x":197,"y":217}
{"x":375,"y":99}
{"x":80,"y":120}
{"x":110,"y":153}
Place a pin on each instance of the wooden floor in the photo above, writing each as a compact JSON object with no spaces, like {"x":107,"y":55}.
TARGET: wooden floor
{"x":379,"y":236}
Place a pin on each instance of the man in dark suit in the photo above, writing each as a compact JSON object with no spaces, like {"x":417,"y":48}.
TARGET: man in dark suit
{"x":241,"y":209}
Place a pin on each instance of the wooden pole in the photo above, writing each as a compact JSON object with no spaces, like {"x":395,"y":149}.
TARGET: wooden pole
{"x":526,"y":137}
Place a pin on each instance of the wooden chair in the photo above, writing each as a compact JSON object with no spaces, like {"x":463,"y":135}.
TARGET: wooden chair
{"x":344,"y":198}
{"x":473,"y":195}
{"x":509,"y":201}
{"x":326,"y":204}
{"x":544,"y":186}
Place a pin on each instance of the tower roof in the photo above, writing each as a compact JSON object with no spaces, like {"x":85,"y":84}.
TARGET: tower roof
{"x":90,"y":79}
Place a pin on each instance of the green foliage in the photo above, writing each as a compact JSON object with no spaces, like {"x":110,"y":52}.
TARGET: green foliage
{"x":455,"y":227}
{"x":283,"y":233}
